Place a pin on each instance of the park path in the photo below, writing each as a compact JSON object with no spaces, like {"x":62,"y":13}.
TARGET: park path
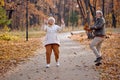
{"x":76,"y":63}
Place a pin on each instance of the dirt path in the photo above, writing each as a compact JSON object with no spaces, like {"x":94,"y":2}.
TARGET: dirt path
{"x":76,"y":63}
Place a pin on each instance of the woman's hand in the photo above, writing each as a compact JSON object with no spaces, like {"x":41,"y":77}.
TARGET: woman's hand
{"x":45,"y":21}
{"x":62,"y":21}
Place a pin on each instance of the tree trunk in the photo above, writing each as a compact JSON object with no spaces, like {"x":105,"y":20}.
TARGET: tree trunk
{"x":93,"y":10}
{"x":113,"y":16}
{"x":103,"y":6}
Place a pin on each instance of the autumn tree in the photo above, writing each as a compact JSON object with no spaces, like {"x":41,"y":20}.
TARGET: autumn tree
{"x":2,"y":3}
{"x":16,"y":11}
{"x":39,"y":9}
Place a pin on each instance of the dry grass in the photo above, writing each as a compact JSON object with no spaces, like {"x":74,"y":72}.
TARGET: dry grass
{"x":13,"y":52}
{"x":111,"y":55}
{"x":111,"y":58}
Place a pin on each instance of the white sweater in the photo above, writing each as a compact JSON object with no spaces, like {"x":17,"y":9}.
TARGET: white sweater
{"x":52,"y":34}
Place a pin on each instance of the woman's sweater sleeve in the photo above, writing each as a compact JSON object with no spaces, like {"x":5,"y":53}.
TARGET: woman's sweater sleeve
{"x":59,"y":28}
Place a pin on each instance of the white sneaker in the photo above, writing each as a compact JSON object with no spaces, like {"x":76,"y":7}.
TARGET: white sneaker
{"x":48,"y":65}
{"x":58,"y":64}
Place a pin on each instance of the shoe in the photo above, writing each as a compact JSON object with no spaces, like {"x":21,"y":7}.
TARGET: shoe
{"x":48,"y":65}
{"x":58,"y":64}
{"x":98,"y":59}
{"x":98,"y":64}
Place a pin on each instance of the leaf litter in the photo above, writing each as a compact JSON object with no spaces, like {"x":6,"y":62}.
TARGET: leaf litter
{"x":14,"y":52}
{"x":110,"y":69}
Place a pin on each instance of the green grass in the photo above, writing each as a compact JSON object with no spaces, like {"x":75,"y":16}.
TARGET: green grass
{"x":40,"y":33}
{"x":36,"y":32}
{"x":31,"y":34}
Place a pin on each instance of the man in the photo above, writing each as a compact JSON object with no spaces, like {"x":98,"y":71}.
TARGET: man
{"x":99,"y":32}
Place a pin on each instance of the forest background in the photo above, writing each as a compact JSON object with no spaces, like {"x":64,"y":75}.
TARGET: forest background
{"x":16,"y":16}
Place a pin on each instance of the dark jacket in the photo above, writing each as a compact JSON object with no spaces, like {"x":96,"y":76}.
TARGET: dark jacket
{"x":99,"y":27}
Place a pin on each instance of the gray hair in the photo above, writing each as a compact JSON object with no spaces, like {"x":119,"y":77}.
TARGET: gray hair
{"x":99,"y":11}
{"x":51,"y":18}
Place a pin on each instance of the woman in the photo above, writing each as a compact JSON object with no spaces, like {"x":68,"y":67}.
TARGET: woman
{"x":52,"y":41}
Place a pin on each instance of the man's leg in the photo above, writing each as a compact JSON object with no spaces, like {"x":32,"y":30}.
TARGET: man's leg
{"x":93,"y":45}
{"x":99,"y":46}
